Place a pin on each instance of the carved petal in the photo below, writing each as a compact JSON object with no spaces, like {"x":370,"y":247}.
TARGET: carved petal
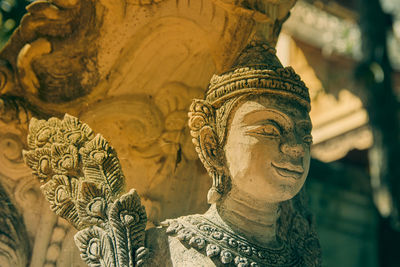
{"x":101,"y":165}
{"x":42,"y":133}
{"x":64,"y":159}
{"x":39,"y":160}
{"x":92,"y":203}
{"x":128,"y":219}
{"x":76,"y":132}
{"x":95,"y":246}
{"x":61,"y":192}
{"x":96,"y":151}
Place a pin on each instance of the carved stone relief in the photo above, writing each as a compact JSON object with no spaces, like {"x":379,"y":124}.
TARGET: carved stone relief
{"x":156,"y":137}
{"x":82,"y":179}
{"x":138,"y":61}
{"x":83,"y":57}
{"x":66,"y":50}
{"x":252,"y":133}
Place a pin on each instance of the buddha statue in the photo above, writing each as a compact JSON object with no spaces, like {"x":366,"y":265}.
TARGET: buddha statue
{"x":252,"y":133}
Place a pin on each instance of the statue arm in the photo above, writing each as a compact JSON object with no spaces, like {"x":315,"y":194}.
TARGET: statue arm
{"x":82,"y":179}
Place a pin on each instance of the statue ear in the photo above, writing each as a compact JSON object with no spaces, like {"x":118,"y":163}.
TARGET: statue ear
{"x":201,"y":122}
{"x":202,"y":125}
{"x":209,"y":147}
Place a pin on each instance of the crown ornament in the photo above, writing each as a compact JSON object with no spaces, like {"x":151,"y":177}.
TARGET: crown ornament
{"x":257,"y":71}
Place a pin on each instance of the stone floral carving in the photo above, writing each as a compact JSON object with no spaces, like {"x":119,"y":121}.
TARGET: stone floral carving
{"x":83,"y":181}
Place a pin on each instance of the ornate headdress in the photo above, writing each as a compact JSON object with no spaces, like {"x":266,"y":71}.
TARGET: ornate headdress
{"x":257,"y":71}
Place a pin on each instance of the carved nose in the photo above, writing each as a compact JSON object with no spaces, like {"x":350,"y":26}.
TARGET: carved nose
{"x":295,"y":151}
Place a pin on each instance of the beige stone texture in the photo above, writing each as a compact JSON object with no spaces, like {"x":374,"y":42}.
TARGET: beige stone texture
{"x":252,"y":132}
{"x":129,"y":69}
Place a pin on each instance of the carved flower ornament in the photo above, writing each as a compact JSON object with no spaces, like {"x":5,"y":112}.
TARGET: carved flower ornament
{"x":126,"y":221}
{"x":75,"y":132}
{"x":61,"y":191}
{"x":42,"y":133}
{"x":93,"y":203}
{"x":101,"y":166}
{"x":95,"y":247}
{"x":39,"y":160}
{"x":83,"y":181}
{"x":96,"y":151}
{"x":129,"y":212}
{"x":64,"y":158}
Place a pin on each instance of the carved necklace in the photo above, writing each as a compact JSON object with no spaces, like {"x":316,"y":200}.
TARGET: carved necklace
{"x":216,"y":242}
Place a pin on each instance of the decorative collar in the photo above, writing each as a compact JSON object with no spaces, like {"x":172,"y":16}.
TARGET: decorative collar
{"x":219,"y":244}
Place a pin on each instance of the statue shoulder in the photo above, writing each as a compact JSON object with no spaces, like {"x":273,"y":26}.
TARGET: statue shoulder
{"x":167,"y":249}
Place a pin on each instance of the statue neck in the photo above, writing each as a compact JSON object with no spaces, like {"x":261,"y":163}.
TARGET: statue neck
{"x":252,"y":219}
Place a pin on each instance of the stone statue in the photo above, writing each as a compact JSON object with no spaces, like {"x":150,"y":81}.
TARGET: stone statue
{"x":252,"y":133}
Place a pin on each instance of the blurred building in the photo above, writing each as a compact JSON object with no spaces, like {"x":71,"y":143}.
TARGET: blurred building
{"x":322,"y":41}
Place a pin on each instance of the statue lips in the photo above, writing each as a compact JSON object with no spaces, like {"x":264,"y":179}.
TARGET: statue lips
{"x":289,"y":170}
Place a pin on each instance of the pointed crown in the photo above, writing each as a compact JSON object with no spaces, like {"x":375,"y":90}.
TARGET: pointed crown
{"x":257,"y":70}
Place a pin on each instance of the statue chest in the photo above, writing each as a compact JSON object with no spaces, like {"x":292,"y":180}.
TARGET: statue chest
{"x":195,"y":241}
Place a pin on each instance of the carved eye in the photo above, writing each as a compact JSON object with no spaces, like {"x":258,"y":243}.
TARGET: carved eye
{"x":267,"y":130}
{"x":308,"y":139}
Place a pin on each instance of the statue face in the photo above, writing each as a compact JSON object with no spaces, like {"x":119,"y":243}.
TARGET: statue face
{"x":268,"y":148}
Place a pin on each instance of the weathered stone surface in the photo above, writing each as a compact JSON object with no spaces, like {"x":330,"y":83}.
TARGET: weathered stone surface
{"x":254,"y":139}
{"x":138,"y":61}
{"x":129,"y":69}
